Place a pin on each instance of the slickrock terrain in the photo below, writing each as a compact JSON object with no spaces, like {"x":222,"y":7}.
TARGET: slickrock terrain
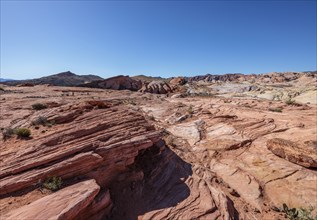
{"x":200,"y":154}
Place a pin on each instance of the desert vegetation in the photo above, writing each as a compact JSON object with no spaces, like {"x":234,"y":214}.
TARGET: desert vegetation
{"x":299,"y":214}
{"x":39,"y":106}
{"x":19,"y":132}
{"x":190,"y":110}
{"x":53,"y":183}
{"x":7,"y":133}
{"x":22,"y":132}
{"x":42,"y":121}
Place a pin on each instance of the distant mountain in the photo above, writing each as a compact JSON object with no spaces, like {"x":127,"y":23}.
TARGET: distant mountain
{"x":117,"y":83}
{"x":61,"y":79}
{"x":274,"y":77}
{"x":150,"y":78}
{"x":5,"y":80}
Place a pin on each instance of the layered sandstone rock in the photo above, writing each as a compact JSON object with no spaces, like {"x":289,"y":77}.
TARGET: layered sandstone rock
{"x":223,"y":158}
{"x":304,"y":154}
{"x":226,"y":140}
{"x":64,"y":204}
{"x":87,"y":142}
{"x":156,"y":87}
{"x":178,"y":81}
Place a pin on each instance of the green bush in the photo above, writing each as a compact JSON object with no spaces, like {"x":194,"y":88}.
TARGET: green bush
{"x":39,"y":106}
{"x":53,"y":183}
{"x":7,"y":133}
{"x":275,"y":109}
{"x":22,"y":132}
{"x":298,"y":214}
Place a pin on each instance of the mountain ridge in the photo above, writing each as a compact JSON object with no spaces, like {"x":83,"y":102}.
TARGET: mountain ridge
{"x":67,"y":78}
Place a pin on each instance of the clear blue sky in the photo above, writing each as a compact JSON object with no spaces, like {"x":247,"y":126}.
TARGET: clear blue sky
{"x":158,"y":38}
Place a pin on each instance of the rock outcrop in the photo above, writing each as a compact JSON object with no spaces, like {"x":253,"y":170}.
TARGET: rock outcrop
{"x":274,"y":77}
{"x":116,"y":83}
{"x":304,"y":154}
{"x":87,"y":142}
{"x":178,"y":81}
{"x":226,"y":141}
{"x":126,"y":155}
{"x":234,"y":77}
{"x":156,"y":87}
{"x":64,"y":204}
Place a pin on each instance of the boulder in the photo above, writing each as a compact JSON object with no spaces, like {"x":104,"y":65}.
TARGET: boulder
{"x":64,"y":204}
{"x":302,"y":153}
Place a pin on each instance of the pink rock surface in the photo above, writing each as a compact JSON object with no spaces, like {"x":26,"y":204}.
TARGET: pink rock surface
{"x":64,"y":204}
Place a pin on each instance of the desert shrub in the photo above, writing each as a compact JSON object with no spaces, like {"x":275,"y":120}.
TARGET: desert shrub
{"x":298,"y":214}
{"x":275,"y":109}
{"x":290,"y":102}
{"x":1,"y":89}
{"x":39,"y":106}
{"x":22,"y":132}
{"x":190,"y":110}
{"x":7,"y":133}
{"x":53,"y":183}
{"x":169,"y":140}
{"x":40,"y":121}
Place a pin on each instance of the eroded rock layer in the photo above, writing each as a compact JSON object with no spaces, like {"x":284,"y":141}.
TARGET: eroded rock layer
{"x":125,"y":155}
{"x":87,"y":143}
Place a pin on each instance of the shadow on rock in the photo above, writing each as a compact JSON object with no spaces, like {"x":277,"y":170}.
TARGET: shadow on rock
{"x":162,"y":186}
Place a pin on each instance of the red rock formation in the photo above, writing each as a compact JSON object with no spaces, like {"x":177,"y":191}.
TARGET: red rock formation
{"x":225,"y":158}
{"x":116,"y":83}
{"x":304,"y":154}
{"x":99,"y":143}
{"x":64,"y":204}
{"x":156,"y":87}
{"x":178,"y":81}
